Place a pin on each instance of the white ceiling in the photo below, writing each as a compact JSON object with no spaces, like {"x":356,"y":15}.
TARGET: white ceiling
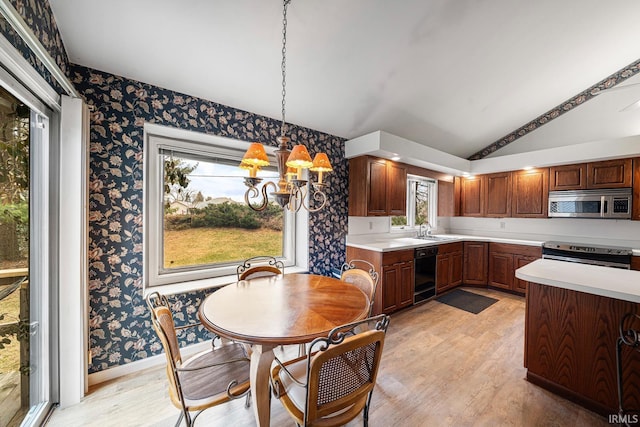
{"x":453,"y":75}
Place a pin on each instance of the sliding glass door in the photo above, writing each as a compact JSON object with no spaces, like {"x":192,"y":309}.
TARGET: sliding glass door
{"x":24,"y":263}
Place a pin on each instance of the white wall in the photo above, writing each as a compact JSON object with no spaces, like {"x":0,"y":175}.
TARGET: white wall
{"x":615,"y":232}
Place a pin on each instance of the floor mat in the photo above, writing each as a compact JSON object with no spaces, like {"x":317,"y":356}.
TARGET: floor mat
{"x":467,"y":301}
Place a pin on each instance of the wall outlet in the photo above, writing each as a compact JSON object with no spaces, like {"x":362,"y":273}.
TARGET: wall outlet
{"x":370,"y":225}
{"x":503,"y":224}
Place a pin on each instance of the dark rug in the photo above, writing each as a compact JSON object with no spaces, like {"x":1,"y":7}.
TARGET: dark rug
{"x":467,"y":301}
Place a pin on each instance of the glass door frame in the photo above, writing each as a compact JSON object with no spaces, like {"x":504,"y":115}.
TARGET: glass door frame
{"x":44,"y":232}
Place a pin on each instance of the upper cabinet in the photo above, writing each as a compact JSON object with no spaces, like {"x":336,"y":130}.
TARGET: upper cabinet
{"x":568,"y":177}
{"x":594,"y":175}
{"x":498,"y":199}
{"x":636,"y":190}
{"x":530,"y":193}
{"x":472,"y":196}
{"x":610,"y":174}
{"x":377,"y":187}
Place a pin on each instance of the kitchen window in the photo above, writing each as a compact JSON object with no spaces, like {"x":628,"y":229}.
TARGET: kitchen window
{"x":198,"y":224}
{"x":422,"y":202}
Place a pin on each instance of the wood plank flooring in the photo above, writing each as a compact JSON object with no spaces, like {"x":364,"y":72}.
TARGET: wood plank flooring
{"x":441,"y":366}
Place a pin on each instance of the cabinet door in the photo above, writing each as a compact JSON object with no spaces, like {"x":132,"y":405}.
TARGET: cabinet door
{"x":405,"y":288}
{"x":389,"y":288}
{"x":520,"y":285}
{"x":475,"y":263}
{"x":396,"y":189}
{"x":636,"y":189}
{"x":472,"y":196}
{"x":498,"y":196}
{"x":530,"y":193}
{"x":610,"y":174}
{"x":442,"y":272}
{"x":569,"y":177}
{"x":377,"y":187}
{"x":501,"y":270}
{"x":455,"y":272}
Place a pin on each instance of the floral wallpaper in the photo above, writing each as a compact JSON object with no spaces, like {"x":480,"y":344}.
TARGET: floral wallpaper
{"x":38,"y":16}
{"x":120,"y":329}
{"x":615,"y":78}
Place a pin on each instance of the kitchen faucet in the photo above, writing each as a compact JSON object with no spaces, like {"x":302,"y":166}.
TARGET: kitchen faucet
{"x":422,"y":233}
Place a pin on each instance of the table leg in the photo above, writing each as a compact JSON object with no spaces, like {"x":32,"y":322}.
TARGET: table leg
{"x":260,"y":371}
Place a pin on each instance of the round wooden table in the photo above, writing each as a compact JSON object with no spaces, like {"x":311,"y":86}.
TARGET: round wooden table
{"x":285,"y":309}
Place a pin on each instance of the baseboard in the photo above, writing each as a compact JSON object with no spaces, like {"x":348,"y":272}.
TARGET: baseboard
{"x":139,"y":365}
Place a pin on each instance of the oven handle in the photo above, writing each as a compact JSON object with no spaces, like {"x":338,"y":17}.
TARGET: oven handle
{"x":587,"y":261}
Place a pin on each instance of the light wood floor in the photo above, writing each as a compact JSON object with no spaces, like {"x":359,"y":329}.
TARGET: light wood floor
{"x":441,"y":367}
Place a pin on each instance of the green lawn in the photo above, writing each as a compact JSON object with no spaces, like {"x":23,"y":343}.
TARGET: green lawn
{"x":208,"y":245}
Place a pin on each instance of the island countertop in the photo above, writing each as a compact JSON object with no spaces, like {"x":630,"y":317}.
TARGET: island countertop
{"x":592,"y":279}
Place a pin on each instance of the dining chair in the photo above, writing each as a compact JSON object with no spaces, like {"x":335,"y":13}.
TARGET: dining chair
{"x":206,"y":379}
{"x":334,"y":382}
{"x":256,"y":267}
{"x":631,"y":338}
{"x":364,"y":278}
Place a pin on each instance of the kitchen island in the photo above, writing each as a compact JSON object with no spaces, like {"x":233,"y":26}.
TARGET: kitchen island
{"x":573,"y":313}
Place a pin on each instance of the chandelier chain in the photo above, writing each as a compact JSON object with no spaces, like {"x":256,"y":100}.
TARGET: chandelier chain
{"x":284,"y":63}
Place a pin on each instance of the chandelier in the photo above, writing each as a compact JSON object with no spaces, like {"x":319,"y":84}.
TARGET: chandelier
{"x":291,"y":190}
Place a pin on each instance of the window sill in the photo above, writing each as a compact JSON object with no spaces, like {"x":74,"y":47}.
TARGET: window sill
{"x":212,"y":283}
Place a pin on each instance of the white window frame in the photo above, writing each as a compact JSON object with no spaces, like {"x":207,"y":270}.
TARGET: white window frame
{"x":411,"y":201}
{"x":157,"y":138}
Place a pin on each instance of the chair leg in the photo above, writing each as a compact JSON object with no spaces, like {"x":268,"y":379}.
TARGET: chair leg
{"x":365,"y":414}
{"x":247,"y":401}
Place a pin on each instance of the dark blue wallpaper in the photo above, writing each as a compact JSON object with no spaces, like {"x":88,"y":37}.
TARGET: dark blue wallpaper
{"x":120,"y":330}
{"x":37,"y":14}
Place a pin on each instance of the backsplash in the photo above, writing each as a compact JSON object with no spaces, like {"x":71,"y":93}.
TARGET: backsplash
{"x":119,"y":326}
{"x":617,"y":232}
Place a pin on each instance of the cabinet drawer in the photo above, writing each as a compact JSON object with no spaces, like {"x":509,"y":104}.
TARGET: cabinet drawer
{"x":450,"y":247}
{"x":397,"y":256}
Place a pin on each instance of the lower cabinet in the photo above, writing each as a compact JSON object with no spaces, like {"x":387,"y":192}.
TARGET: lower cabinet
{"x":505,"y":259}
{"x":396,"y":277}
{"x":397,"y":282}
{"x":449,"y":266}
{"x":476,"y":263}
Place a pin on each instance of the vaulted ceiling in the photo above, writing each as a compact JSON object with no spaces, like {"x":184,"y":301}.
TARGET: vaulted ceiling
{"x":453,"y":75}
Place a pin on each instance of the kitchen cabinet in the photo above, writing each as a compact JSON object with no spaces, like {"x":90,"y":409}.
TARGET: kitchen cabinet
{"x":568,"y":177}
{"x":397,"y":283}
{"x":476,"y":263}
{"x":449,"y":266}
{"x":635,"y":263}
{"x":396,"y":277}
{"x":377,"y":187}
{"x":530,"y":193}
{"x":504,"y":259}
{"x":610,"y":174}
{"x":472,"y":196}
{"x":636,"y":189}
{"x":498,"y":195}
{"x":570,"y":347}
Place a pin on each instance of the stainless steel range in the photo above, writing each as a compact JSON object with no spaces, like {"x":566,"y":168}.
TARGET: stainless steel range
{"x":607,"y":256}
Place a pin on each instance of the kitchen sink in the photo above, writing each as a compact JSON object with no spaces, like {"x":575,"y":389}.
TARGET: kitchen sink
{"x":436,"y":238}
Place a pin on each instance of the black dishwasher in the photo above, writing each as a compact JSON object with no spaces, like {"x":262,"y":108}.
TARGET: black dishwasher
{"x":425,"y":273}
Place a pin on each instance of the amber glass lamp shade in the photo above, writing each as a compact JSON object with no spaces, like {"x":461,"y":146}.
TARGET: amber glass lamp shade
{"x":299,"y":159}
{"x":321,"y":164}
{"x":255,"y":155}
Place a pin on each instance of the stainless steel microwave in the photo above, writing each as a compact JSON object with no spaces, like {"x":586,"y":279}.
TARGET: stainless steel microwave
{"x":614,"y":203}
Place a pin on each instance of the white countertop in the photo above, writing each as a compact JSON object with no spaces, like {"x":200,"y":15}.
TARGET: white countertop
{"x":592,"y":279}
{"x":386,"y":244}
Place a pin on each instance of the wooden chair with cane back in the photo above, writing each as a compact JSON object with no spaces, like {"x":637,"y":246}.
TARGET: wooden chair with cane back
{"x":260,"y":266}
{"x":204,"y":380}
{"x":362,"y":274}
{"x":334,"y":382}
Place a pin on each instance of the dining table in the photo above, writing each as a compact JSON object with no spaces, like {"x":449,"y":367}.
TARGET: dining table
{"x":283,"y":309}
